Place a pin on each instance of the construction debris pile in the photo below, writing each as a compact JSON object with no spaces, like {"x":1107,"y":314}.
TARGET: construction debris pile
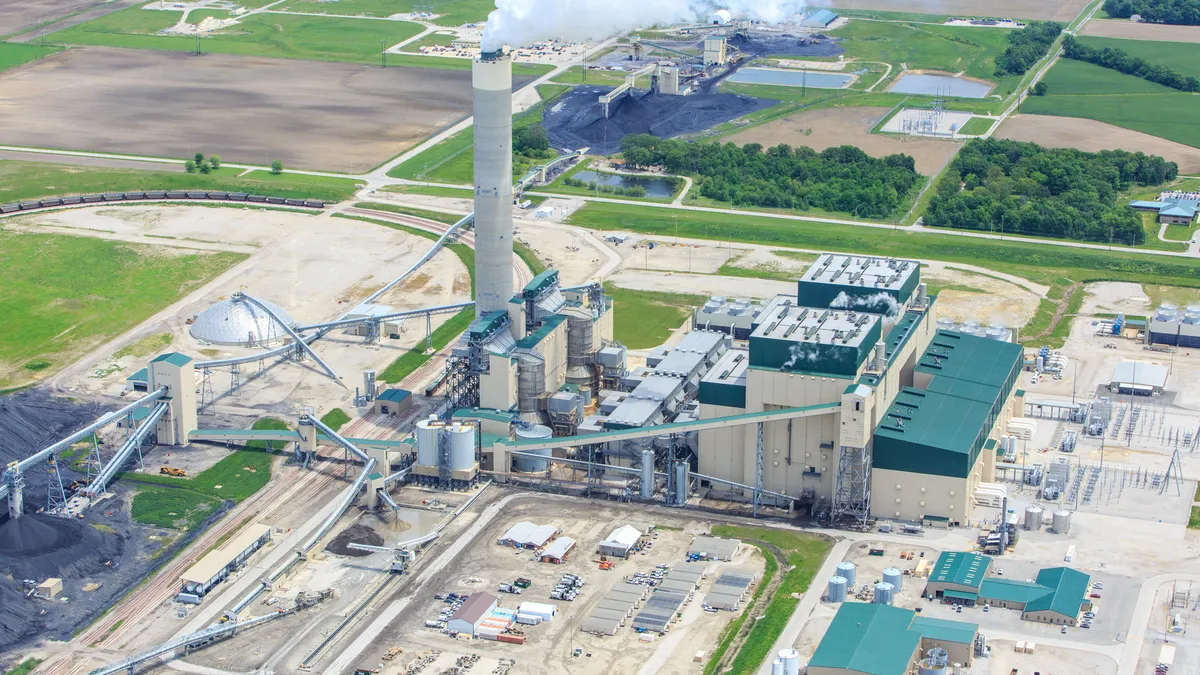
{"x":577,"y":119}
{"x":355,"y":534}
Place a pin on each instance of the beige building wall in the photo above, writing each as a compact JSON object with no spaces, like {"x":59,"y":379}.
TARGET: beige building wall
{"x":554,"y":350}
{"x":1049,"y":617}
{"x":498,"y":388}
{"x":180,"y":418}
{"x":911,"y":496}
{"x":957,"y":651}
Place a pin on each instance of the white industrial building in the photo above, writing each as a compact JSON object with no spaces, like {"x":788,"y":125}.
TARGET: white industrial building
{"x":620,"y":542}
{"x":220,"y":562}
{"x":1140,"y":378}
{"x":558,"y":550}
{"x":528,"y":535}
{"x":472,"y":613}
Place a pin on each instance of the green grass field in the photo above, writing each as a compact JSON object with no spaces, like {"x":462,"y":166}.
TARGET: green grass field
{"x":31,"y":180}
{"x":464,"y":192}
{"x":432,"y":40}
{"x":13,"y":54}
{"x":803,"y":555}
{"x":977,"y":126}
{"x":646,"y":318}
{"x":24,"y":668}
{"x":173,"y":508}
{"x":1181,"y":56}
{"x":315,"y":38}
{"x":335,"y":419}
{"x":452,"y":12}
{"x":1085,"y":90}
{"x":64,"y":295}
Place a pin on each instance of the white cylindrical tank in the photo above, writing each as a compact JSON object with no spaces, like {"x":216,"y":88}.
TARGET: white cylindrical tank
{"x":791,"y":661}
{"x":935,"y":662}
{"x":533,"y":464}
{"x":1062,"y":521}
{"x":681,"y":482}
{"x":777,"y":667}
{"x":893,"y":576}
{"x":1033,"y":517}
{"x":883,"y":593}
{"x":647,"y":467}
{"x":462,"y":447}
{"x":429,"y":434}
{"x":837,"y":589}
{"x":846,"y":570}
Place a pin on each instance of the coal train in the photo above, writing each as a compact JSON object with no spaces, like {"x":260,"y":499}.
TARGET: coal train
{"x":173,"y":195}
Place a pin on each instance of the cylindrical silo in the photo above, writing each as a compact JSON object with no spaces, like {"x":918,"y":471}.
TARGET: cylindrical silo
{"x":531,"y":381}
{"x":846,"y":570}
{"x":791,"y":661}
{"x":491,"y":80}
{"x":681,"y":483}
{"x":462,"y":447}
{"x":369,"y":384}
{"x":893,"y":576}
{"x":777,"y":667}
{"x":945,"y":324}
{"x":1062,"y":521}
{"x":883,"y":593}
{"x":647,"y":474}
{"x":1033,"y":517}
{"x":429,"y":433}
{"x":536,"y":464}
{"x":935,"y":662}
{"x":837,"y":589}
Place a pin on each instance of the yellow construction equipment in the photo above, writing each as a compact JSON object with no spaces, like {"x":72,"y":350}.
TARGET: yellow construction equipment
{"x":172,"y":471}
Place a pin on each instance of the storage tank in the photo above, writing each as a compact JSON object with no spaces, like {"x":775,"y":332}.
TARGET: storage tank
{"x":777,"y":667}
{"x":846,"y":571}
{"x":935,"y":662}
{"x":1062,"y":521}
{"x":791,"y":661}
{"x":837,"y":589}
{"x":883,"y":593}
{"x":462,"y":447}
{"x":429,"y":432}
{"x":526,"y":464}
{"x":681,"y":483}
{"x":893,"y":576}
{"x":647,"y":474}
{"x":531,"y":381}
{"x":581,"y":348}
{"x":369,"y":384}
{"x":945,"y":324}
{"x":1033,"y":517}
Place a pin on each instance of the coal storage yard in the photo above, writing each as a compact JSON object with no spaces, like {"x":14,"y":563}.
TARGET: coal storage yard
{"x":577,"y":120}
{"x":763,"y":44}
{"x":355,"y":534}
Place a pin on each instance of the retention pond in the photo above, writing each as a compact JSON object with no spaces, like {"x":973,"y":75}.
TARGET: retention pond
{"x":940,"y":85}
{"x":661,"y":188}
{"x":791,"y":78}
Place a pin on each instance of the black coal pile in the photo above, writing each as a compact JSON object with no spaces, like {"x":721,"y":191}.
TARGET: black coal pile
{"x":577,"y":119}
{"x":37,"y":546}
{"x":762,"y":44}
{"x":355,"y":534}
{"x":18,"y":618}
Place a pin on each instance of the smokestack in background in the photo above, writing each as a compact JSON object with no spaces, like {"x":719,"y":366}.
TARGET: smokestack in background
{"x":491,"y":78}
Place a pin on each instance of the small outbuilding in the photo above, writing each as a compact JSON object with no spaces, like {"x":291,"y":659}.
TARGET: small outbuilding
{"x":395,"y":402}
{"x":527,"y":535}
{"x":558,"y":551}
{"x":472,"y":613}
{"x":714,"y":548}
{"x":620,"y":542}
{"x":1140,"y":378}
{"x":49,"y":589}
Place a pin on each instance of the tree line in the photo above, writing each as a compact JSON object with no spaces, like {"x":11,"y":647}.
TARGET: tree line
{"x":843,"y":179}
{"x":1009,"y":187}
{"x":1027,"y":46}
{"x":1178,"y":12}
{"x":1122,"y":61}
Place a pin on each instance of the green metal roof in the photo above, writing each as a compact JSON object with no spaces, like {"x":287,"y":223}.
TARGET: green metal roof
{"x":484,"y":414}
{"x":900,"y":333}
{"x":548,"y":325}
{"x":944,"y":630}
{"x":488,"y":323}
{"x":142,"y":375}
{"x":173,"y":358}
{"x":1011,"y":590}
{"x":868,"y":638}
{"x":961,"y":568}
{"x":961,"y":595}
{"x":972,"y":358}
{"x":394,"y":395}
{"x":931,"y":433}
{"x":1068,"y":590}
{"x":539,"y":283}
{"x":374,"y":475}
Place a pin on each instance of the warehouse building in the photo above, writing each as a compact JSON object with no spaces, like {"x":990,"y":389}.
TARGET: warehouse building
{"x":527,"y":535}
{"x":219,"y":563}
{"x":1057,"y":596}
{"x":558,"y":551}
{"x":472,"y":613}
{"x":714,"y":548}
{"x":957,"y":576}
{"x":1140,"y":378}
{"x":821,"y":18}
{"x":877,"y":639}
{"x":394,"y":402}
{"x":620,"y":542}
{"x":901,"y":411}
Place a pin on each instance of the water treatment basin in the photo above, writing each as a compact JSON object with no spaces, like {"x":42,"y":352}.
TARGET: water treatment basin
{"x":661,"y":188}
{"x":792,"y":78}
{"x":940,"y":85}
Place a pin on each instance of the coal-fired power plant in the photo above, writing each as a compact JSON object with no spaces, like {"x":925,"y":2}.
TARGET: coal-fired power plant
{"x":491,"y":76}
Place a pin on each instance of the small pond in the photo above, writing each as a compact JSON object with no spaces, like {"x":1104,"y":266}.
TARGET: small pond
{"x":792,"y":78}
{"x":663,"y":188}
{"x":944,"y":85}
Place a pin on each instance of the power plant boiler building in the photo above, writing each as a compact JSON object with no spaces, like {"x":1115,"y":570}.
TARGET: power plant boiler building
{"x":910,"y":407}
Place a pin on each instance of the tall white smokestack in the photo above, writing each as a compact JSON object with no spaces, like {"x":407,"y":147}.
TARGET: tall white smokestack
{"x":491,"y":77}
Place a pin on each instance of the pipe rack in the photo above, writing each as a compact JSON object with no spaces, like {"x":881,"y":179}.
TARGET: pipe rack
{"x":98,"y":485}
{"x":101,"y":422}
{"x":298,"y":341}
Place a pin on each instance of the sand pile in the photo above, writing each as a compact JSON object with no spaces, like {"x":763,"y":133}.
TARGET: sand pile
{"x":577,"y":120}
{"x":355,"y":534}
{"x":37,"y":546}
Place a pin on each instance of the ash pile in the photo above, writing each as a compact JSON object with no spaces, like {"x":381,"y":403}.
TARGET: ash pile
{"x":577,"y":120}
{"x":355,"y":534}
{"x":774,"y":44}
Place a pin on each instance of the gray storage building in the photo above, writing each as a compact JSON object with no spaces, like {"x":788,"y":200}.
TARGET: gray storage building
{"x":714,"y":548}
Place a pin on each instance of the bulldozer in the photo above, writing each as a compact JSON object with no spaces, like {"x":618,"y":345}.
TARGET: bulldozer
{"x":172,"y":471}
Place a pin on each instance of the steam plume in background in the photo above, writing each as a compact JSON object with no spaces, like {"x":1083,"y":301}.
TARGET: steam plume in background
{"x":523,"y":22}
{"x":879,"y":303}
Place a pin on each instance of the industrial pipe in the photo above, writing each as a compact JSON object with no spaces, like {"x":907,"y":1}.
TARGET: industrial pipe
{"x":440,"y":309}
{"x":337,"y":438}
{"x":98,"y":485}
{"x":299,"y":341}
{"x":101,"y":422}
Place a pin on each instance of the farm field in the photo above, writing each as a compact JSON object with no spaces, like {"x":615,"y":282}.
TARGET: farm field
{"x":313,"y":38}
{"x":19,"y":16}
{"x":1085,"y":90}
{"x":65,"y":100}
{"x":1093,"y":136}
{"x":451,"y":12}
{"x":1120,"y":28}
{"x":53,"y":314}
{"x":1058,"y":10}
{"x":1181,"y":56}
{"x":831,"y":127}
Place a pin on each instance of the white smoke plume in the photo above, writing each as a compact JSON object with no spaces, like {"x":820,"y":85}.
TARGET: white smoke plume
{"x":879,"y":303}
{"x":801,"y":352}
{"x":519,"y":23}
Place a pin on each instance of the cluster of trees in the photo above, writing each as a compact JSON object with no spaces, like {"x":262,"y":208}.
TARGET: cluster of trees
{"x":843,"y":179}
{"x":199,"y":163}
{"x":1178,"y":12}
{"x":531,"y":146}
{"x":1027,"y":46}
{"x":1122,"y":61}
{"x":1022,"y":188}
{"x":634,"y":191}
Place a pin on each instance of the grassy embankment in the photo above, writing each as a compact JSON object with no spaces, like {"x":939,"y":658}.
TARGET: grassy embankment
{"x":24,"y":668}
{"x":65,"y":295}
{"x":800,"y":555}
{"x":977,"y":126}
{"x":31,"y":180}
{"x":183,"y":503}
{"x":14,"y":54}
{"x":335,"y":419}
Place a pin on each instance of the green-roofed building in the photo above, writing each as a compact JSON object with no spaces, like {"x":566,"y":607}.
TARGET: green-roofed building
{"x":957,"y":576}
{"x":1057,"y":596}
{"x":877,"y":639}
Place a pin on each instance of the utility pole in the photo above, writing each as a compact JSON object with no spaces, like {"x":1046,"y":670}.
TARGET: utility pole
{"x":197,"y":41}
{"x":383,"y":51}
